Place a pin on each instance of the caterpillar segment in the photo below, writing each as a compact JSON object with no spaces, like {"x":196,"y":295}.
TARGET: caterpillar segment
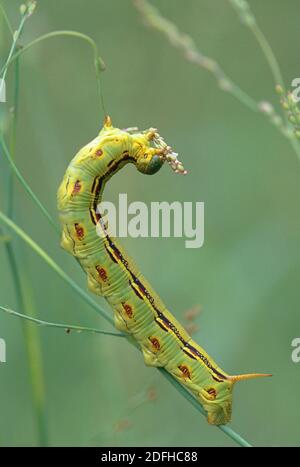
{"x":112,"y":274}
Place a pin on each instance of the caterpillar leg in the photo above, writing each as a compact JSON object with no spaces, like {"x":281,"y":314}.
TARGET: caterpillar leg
{"x":94,"y":285}
{"x":67,"y":243}
{"x":150,"y":359}
{"x":120,"y":324}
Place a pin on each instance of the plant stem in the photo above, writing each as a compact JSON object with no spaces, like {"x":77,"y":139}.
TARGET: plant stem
{"x":99,"y":66}
{"x":16,"y":37}
{"x":190,"y":398}
{"x":186,"y":44}
{"x":223,"y":81}
{"x":35,"y":364}
{"x":13,"y":137}
{"x":33,"y":351}
{"x":55,"y":266}
{"x":24,"y":183}
{"x":183,"y":391}
{"x":98,"y":61}
{"x":66,"y":327}
{"x":31,"y":337}
{"x":247,"y":17}
{"x":269,"y":54}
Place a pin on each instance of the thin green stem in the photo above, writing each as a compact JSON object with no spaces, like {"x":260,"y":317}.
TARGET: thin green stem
{"x":183,"y":391}
{"x":277,"y":75}
{"x":223,"y":81}
{"x":31,"y":337}
{"x":35,"y":365}
{"x":26,"y":187}
{"x":247,"y":17}
{"x":187,"y":46}
{"x":98,"y":61}
{"x":66,"y":327}
{"x":13,"y":138}
{"x":15,"y":274}
{"x":9,"y":223}
{"x":16,"y":37}
{"x":235,"y":436}
{"x":33,"y":352}
{"x":187,"y":395}
{"x":269,"y":54}
{"x":24,"y":183}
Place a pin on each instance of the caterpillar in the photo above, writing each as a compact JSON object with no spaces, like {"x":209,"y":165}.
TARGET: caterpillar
{"x":137,"y":309}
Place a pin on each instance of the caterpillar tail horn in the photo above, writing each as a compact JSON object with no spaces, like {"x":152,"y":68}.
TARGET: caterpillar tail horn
{"x":237,"y":378}
{"x":107,"y":121}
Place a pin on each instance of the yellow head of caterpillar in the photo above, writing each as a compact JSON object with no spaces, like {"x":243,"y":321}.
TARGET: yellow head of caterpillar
{"x":149,"y":150}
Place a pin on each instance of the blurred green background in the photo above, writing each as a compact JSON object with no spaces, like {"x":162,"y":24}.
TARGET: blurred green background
{"x":245,"y":277}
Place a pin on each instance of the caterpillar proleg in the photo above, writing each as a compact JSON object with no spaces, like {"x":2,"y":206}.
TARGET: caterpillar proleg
{"x":111,"y":273}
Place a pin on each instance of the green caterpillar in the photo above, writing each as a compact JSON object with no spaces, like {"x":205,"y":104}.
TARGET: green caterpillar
{"x":112,"y":274}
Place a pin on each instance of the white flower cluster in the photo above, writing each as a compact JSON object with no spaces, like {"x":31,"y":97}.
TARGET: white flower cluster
{"x":168,"y":154}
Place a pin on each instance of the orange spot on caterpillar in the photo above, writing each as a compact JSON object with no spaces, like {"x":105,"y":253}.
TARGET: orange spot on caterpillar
{"x":185,"y":371}
{"x":212,"y":392}
{"x":102,"y":273}
{"x":79,"y":231}
{"x":155,"y":342}
{"x":128,"y":310}
{"x":77,"y":187}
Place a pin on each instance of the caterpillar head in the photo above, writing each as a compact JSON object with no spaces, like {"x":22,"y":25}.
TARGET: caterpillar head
{"x":152,"y":152}
{"x":147,"y":148}
{"x":148,"y":162}
{"x":217,"y":398}
{"x":148,"y":159}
